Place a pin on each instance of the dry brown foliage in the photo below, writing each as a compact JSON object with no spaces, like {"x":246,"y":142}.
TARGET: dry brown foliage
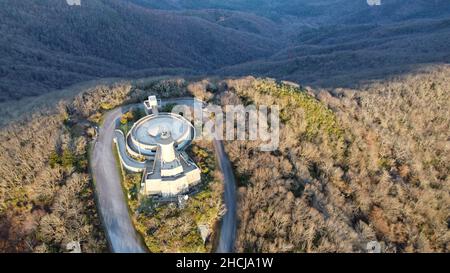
{"x":44,"y":206}
{"x":387,"y":179}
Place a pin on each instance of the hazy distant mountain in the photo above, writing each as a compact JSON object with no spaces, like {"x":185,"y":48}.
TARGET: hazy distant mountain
{"x":348,"y":11}
{"x":354,"y":42}
{"x":344,"y":55}
{"x":48,"y":44}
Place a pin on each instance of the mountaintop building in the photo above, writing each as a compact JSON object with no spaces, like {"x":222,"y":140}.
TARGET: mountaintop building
{"x":161,"y":139}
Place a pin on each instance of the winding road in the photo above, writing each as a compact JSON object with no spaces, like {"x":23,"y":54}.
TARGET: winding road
{"x":112,"y":204}
{"x":228,"y":228}
{"x":121,"y":234}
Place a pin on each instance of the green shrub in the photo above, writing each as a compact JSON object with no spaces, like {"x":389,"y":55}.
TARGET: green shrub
{"x":317,"y":116}
{"x":67,"y":159}
{"x":54,"y":159}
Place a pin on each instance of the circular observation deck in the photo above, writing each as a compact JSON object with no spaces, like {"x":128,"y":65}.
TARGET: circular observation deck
{"x":145,"y":135}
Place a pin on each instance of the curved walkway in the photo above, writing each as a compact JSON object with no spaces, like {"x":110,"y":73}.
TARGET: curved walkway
{"x":128,"y":162}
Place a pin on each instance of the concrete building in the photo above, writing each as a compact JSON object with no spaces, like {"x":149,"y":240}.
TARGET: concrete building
{"x":151,"y":105}
{"x":161,"y":139}
{"x":171,"y":172}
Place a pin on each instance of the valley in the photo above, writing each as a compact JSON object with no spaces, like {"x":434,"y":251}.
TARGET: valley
{"x":46,"y":49}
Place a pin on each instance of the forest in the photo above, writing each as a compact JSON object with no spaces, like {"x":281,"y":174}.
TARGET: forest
{"x":353,"y":166}
{"x":48,"y":45}
{"x":46,"y":194}
{"x":47,"y":197}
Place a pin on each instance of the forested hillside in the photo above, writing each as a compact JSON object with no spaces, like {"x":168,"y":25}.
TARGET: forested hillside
{"x":357,"y":47}
{"x":319,"y":11}
{"x":47,"y":45}
{"x":47,"y":197}
{"x":353,"y":166}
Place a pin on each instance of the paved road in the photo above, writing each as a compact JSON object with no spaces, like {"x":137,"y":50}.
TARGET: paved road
{"x":228,"y":228}
{"x":120,"y":231}
{"x":112,"y":203}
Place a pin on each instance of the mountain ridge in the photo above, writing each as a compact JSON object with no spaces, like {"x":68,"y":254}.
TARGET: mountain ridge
{"x":109,"y":38}
{"x":48,"y":45}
